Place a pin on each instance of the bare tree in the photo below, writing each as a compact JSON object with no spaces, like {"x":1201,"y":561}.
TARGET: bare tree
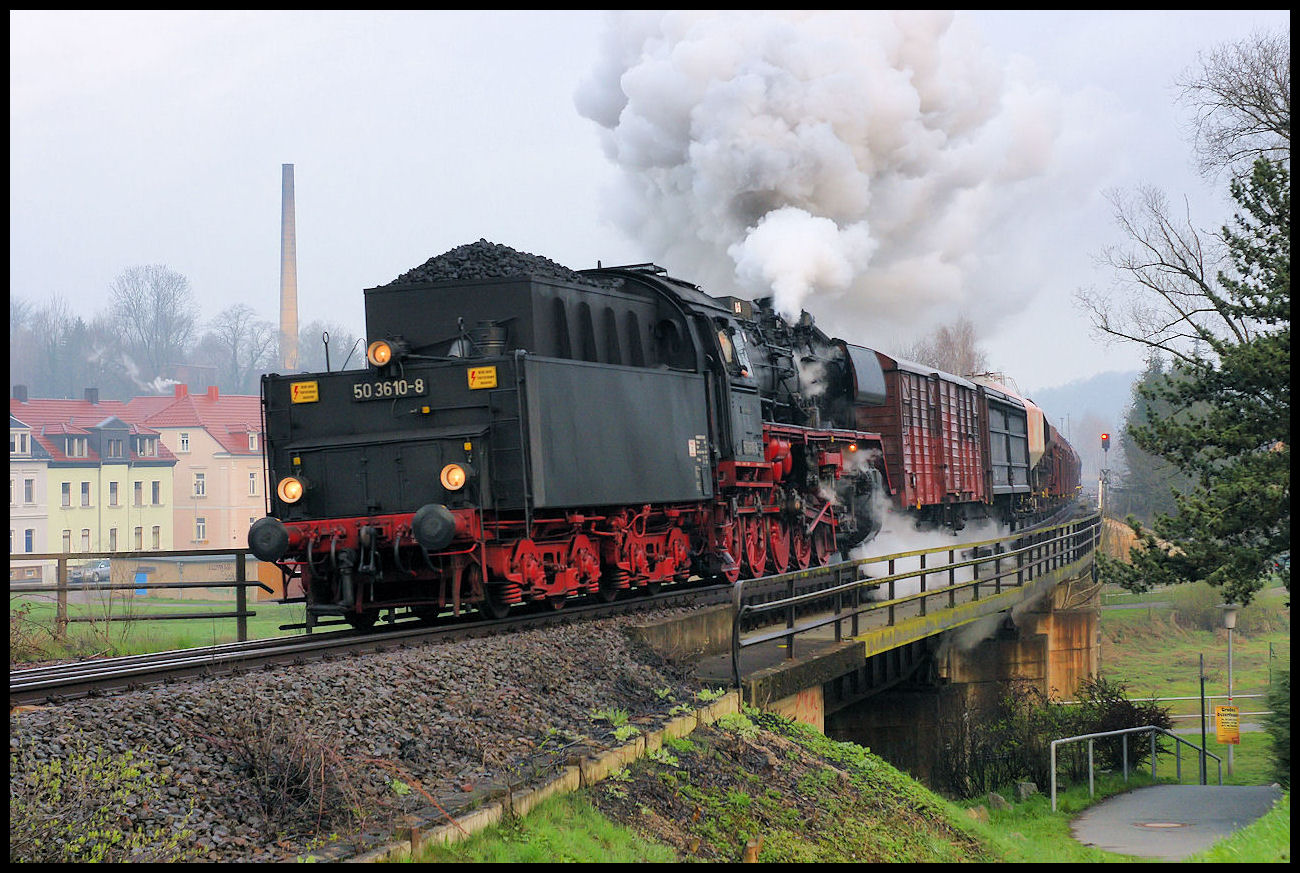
{"x":242,"y":344}
{"x":1240,"y":95}
{"x":154,"y":309}
{"x":952,"y":348}
{"x":1166,"y":294}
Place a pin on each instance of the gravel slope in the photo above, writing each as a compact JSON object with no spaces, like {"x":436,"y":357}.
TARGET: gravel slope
{"x":271,"y":762}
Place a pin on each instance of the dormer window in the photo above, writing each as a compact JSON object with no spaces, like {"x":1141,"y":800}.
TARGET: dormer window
{"x":148,"y":447}
{"x":76,"y":447}
{"x":19,"y":443}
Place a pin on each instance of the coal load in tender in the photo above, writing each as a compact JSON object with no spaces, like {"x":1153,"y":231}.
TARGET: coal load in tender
{"x":486,"y":260}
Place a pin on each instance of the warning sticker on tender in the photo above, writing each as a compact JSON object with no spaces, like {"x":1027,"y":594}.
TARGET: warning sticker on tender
{"x":482,"y":377}
{"x":304,"y":392}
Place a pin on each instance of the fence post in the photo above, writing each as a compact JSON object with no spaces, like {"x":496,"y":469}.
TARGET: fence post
{"x":1053,"y":776}
{"x":789,"y":618}
{"x":923,"y":599}
{"x":241,"y":596}
{"x":61,"y":597}
{"x":1124,"y":745}
{"x":1153,"y":755}
{"x":1090,"y":790}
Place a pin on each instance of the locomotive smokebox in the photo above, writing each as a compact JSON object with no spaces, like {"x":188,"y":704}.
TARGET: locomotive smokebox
{"x":268,"y":539}
{"x":433,"y":526}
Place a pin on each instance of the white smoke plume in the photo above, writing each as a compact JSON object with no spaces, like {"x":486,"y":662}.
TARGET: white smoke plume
{"x":900,"y":533}
{"x":875,"y":162}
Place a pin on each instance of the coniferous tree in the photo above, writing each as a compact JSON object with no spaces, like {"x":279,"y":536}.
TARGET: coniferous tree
{"x":1228,"y":427}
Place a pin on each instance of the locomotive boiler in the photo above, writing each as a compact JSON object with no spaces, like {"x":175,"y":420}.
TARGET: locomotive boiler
{"x":528,"y":433}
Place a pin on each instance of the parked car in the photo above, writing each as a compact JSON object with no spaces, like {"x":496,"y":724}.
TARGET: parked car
{"x":95,"y":571}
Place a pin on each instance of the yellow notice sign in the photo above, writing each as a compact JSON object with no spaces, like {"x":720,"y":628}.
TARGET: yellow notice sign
{"x":1226,"y":725}
{"x":482,"y":377}
{"x":304,"y":392}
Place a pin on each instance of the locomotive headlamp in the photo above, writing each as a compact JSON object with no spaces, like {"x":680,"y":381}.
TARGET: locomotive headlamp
{"x":853,"y":447}
{"x":382,"y":352}
{"x":290,"y":489}
{"x":454,"y":476}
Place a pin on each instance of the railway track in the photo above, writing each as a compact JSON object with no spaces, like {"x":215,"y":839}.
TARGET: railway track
{"x":69,"y":681}
{"x":60,"y":683}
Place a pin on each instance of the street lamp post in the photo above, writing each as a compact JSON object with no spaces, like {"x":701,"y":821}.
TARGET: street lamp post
{"x":1230,"y":622}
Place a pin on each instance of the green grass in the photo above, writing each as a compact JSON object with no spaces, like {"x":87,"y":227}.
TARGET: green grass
{"x":1158,"y":655}
{"x":31,"y":635}
{"x":1266,"y":840}
{"x":1031,"y":832}
{"x":566,"y":828}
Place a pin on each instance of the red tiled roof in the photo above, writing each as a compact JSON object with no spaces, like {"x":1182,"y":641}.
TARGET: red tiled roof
{"x":228,"y":419}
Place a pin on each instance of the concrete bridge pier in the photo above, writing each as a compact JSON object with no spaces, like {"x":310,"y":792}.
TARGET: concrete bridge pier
{"x":1053,"y":645}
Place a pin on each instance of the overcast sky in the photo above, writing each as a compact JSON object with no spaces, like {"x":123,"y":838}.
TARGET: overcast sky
{"x":152,"y":137}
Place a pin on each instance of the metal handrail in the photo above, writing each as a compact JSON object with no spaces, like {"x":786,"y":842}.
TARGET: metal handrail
{"x":1039,"y":551}
{"x":1125,"y":732}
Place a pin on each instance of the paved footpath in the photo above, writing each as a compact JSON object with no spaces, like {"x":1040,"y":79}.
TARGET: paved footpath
{"x":1172,"y":822}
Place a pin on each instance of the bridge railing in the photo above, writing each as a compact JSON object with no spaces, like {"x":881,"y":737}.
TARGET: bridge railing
{"x":63,"y":585}
{"x":1178,"y":746}
{"x":1003,"y":562}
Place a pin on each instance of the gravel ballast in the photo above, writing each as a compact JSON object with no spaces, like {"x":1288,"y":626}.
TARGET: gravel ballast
{"x":441,"y":725}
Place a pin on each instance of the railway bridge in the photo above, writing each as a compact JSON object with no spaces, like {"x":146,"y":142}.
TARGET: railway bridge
{"x":890,"y":651}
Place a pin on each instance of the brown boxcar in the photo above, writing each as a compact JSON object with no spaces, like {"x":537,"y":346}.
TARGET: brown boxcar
{"x":930,"y":424}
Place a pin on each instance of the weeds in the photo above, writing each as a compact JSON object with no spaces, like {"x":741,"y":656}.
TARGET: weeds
{"x":302,"y":785}
{"x":72,"y":809}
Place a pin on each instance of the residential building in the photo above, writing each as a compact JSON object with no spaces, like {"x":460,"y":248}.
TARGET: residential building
{"x":220,"y":469}
{"x":108,"y":480}
{"x":28,"y":506}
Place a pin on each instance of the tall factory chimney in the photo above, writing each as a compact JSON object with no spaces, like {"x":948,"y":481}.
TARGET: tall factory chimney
{"x":288,"y":274}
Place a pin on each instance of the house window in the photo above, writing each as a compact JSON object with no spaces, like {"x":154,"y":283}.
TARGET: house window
{"x":252,"y":484}
{"x":29,"y":540}
{"x":185,"y":442}
{"x":85,"y":539}
{"x":252,"y":442}
{"x":200,"y":485}
{"x":29,"y":491}
{"x":112,"y":494}
{"x":67,"y":541}
{"x":115,"y":448}
{"x":157,"y":493}
{"x":85,"y":493}
{"x":112,"y":539}
{"x":76,"y":447}
{"x":65,"y":491}
{"x":139,"y":536}
{"x":200,"y":528}
{"x":18,"y":443}
{"x":148,"y":447}
{"x":157,"y":537}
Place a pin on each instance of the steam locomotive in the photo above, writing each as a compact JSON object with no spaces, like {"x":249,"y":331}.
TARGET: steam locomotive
{"x":527,"y":433}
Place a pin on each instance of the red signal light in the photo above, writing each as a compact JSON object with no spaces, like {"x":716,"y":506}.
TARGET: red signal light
{"x":1105,"y":442}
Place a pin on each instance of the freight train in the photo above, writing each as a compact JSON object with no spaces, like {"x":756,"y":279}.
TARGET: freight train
{"x":527,"y":433}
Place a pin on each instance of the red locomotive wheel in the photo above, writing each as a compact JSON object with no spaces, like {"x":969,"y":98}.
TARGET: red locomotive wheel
{"x":731,"y":541}
{"x":823,"y":540}
{"x":678,"y":548}
{"x":801,"y":547}
{"x":584,"y":558}
{"x":778,"y":544}
{"x":754,"y":547}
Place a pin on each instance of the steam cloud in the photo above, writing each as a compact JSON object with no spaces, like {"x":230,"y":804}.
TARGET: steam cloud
{"x":878,"y":162}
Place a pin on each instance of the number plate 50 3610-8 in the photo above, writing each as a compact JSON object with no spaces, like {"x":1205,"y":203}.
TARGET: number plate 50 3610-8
{"x":389,"y":389}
